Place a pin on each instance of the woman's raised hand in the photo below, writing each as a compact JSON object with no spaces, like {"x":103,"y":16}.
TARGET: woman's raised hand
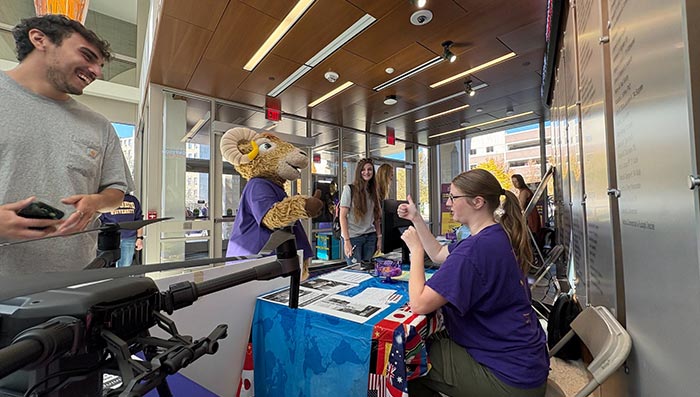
{"x":408,"y":211}
{"x":410,"y":237}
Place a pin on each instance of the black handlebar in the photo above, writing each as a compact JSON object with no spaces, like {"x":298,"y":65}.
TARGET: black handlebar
{"x":40,"y":344}
{"x":19,"y":355}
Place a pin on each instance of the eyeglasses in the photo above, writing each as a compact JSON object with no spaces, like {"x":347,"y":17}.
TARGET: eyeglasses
{"x":453,"y":198}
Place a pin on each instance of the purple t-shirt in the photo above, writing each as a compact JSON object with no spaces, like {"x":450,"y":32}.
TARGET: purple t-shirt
{"x":249,"y":235}
{"x":488,"y":310}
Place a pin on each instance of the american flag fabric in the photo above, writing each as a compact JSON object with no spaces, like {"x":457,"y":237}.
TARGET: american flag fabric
{"x":376,"y":387}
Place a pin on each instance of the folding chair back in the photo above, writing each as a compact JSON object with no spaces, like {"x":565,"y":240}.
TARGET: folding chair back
{"x":608,"y":342}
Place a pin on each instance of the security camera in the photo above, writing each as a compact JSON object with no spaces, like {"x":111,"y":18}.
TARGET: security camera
{"x":331,"y":76}
{"x":421,"y":17}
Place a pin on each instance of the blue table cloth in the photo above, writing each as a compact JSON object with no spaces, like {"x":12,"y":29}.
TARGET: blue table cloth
{"x":305,"y":353}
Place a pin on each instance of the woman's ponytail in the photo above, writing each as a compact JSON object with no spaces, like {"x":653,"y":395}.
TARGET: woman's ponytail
{"x":512,"y":219}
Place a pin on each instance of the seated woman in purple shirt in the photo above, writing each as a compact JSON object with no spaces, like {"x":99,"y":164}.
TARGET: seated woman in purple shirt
{"x":493,"y":344}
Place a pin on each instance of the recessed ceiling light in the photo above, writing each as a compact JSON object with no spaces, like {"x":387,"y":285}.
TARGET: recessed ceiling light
{"x":389,"y":70}
{"x":390,"y":100}
{"x":443,"y":113}
{"x":336,"y":91}
{"x":474,"y":69}
{"x":481,"y":124}
{"x":282,"y":29}
{"x":479,"y":110}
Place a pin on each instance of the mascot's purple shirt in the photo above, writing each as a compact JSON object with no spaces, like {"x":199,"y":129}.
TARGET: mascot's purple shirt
{"x":249,"y":235}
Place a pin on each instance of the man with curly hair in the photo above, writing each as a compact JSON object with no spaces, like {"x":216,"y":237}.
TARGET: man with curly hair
{"x":53,"y":147}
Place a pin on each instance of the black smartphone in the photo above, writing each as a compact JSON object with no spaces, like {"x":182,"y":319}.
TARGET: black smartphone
{"x":39,"y":210}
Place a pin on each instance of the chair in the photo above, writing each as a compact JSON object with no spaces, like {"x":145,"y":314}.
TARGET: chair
{"x":550,"y":261}
{"x":608,"y":342}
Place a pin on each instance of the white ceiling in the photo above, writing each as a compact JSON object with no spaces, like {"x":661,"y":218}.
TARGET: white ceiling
{"x":122,"y":9}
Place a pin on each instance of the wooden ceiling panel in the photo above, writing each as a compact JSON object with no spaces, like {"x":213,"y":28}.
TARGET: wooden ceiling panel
{"x":523,"y":64}
{"x":321,"y":24}
{"x":216,"y":79}
{"x":348,"y":97}
{"x":377,"y":9}
{"x":190,"y":57}
{"x":486,"y":23}
{"x":525,"y":39}
{"x":394,"y":32}
{"x":176,"y":53}
{"x":349,"y":67}
{"x":269,"y":74}
{"x":234,"y":42}
{"x":202,"y":13}
{"x":436,"y":109}
{"x":404,"y":60}
{"x":277,"y":9}
{"x":526,"y":95}
{"x":477,"y":55}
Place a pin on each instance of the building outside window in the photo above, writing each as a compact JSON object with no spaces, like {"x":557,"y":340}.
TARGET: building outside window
{"x":126,"y":139}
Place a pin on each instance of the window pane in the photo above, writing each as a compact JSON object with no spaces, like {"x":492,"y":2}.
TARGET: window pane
{"x":400,"y":183}
{"x":449,"y":162}
{"x":125,"y":132}
{"x":423,"y":185}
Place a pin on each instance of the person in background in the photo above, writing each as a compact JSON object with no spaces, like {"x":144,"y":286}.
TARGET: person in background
{"x":524,"y":197}
{"x":131,"y":240}
{"x":385,"y":178}
{"x":53,"y":147}
{"x":493,"y":344}
{"x":360,"y":214}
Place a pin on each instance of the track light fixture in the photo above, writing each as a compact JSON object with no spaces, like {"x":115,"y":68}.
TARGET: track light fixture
{"x":468,"y":88}
{"x":446,"y":53}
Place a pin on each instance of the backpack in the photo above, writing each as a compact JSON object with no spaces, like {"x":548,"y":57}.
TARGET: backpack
{"x":336,"y":219}
{"x":564,"y":311}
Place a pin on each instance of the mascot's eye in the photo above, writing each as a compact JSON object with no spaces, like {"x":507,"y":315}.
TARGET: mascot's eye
{"x":265,"y":146}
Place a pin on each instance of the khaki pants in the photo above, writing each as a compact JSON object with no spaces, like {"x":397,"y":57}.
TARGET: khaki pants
{"x":456,"y":374}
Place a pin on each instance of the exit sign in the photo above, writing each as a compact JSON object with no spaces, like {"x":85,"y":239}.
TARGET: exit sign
{"x":273,"y":114}
{"x":273,"y":109}
{"x":390,"y":136}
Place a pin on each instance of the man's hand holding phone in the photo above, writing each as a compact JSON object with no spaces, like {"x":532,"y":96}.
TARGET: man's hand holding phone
{"x":26,"y":219}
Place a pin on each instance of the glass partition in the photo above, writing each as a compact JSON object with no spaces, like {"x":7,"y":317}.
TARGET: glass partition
{"x":449,"y":165}
{"x":325,"y":162}
{"x":422,"y":163}
{"x":186,"y":162}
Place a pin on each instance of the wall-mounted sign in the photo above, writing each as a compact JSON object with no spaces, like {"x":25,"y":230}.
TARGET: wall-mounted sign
{"x":273,"y":109}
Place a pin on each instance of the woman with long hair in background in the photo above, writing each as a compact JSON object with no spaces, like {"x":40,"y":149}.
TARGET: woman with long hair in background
{"x":360,"y":214}
{"x":524,"y":196}
{"x":385,"y":177}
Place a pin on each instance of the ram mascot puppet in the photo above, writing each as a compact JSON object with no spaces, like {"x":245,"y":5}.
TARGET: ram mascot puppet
{"x":267,"y":162}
